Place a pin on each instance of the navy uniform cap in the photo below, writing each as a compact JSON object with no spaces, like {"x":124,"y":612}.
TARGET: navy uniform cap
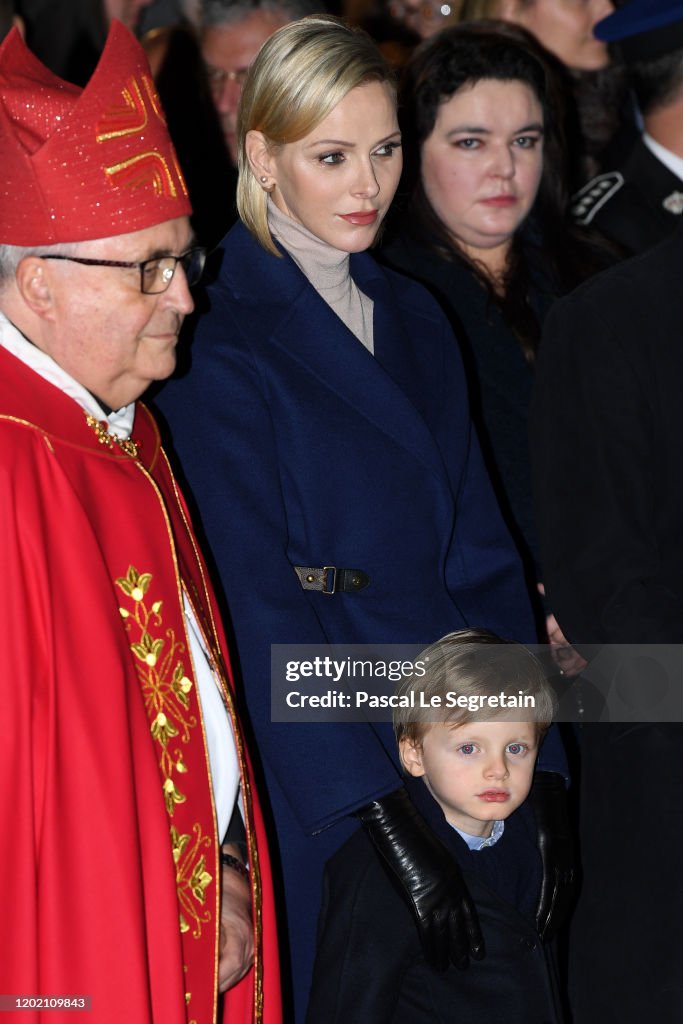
{"x":644,"y":29}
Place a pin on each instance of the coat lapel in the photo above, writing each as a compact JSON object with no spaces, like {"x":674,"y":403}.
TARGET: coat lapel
{"x":293,"y":316}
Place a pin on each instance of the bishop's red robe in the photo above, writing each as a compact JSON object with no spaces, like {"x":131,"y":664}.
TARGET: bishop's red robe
{"x":109,"y":854}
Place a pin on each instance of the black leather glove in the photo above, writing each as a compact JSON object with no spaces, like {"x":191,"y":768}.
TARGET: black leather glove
{"x":429,"y":878}
{"x":557,"y":848}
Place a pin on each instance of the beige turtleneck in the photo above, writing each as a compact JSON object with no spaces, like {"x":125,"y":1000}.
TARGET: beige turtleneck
{"x":327,"y":269}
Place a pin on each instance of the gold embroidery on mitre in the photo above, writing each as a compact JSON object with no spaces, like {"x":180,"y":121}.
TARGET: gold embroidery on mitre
{"x":150,"y":168}
{"x":153,"y":97}
{"x":130,"y":119}
{"x":181,"y":177}
{"x":192,"y":878}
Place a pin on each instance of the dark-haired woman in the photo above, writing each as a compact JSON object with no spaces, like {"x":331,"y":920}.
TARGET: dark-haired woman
{"x":484,"y":229}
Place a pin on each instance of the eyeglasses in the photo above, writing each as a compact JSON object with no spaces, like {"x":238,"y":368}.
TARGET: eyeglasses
{"x":217,"y":77}
{"x":155,"y":274}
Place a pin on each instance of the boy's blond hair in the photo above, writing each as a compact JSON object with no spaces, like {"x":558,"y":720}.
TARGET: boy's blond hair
{"x":474,"y":663}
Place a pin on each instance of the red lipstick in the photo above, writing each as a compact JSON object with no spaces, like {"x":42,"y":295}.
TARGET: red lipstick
{"x":361,"y":218}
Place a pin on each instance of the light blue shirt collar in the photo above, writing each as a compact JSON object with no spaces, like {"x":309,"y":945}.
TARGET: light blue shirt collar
{"x":481,"y":842}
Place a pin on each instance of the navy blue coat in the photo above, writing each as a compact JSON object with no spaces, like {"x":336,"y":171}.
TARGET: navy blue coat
{"x":301,"y":448}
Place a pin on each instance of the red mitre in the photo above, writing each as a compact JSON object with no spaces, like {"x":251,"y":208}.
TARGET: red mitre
{"x":83,"y":163}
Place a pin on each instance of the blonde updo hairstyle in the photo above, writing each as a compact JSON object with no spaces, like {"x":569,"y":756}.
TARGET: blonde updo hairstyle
{"x":298,"y":77}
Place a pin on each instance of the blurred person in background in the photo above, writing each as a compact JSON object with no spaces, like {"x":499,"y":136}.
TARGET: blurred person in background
{"x":563,"y":27}
{"x":603,"y":117}
{"x":424,"y":17}
{"x":231,"y":32}
{"x":639,"y":201}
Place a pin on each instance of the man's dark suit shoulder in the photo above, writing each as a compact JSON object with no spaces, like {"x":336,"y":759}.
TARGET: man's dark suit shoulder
{"x":644,"y":292}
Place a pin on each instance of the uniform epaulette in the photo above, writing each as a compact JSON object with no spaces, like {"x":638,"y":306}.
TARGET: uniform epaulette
{"x":593,"y":196}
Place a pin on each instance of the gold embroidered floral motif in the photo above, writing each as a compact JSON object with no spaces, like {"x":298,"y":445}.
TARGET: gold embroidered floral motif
{"x":192,"y":878}
{"x":163,"y":729}
{"x":172,"y":796}
{"x":164,"y":681}
{"x":166,"y":690}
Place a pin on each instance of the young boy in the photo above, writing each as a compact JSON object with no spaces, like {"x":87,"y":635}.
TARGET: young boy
{"x":469,"y":769}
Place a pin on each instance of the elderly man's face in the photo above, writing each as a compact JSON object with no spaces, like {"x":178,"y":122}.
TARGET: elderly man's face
{"x":102,"y":330}
{"x":228,"y":51}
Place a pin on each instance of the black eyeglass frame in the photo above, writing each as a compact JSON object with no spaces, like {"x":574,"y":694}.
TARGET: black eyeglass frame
{"x":196,"y":253}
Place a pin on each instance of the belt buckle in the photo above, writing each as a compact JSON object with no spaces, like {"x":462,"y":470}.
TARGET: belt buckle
{"x":326,"y":570}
